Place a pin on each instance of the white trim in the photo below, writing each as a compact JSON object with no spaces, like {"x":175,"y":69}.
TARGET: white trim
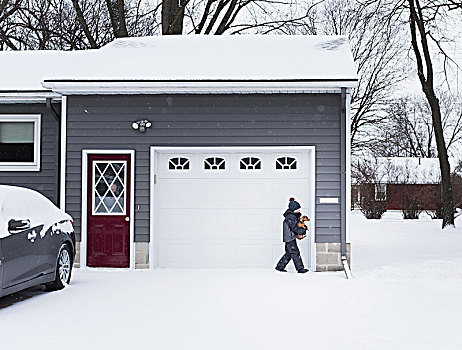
{"x":28,"y":97}
{"x":154,"y":150}
{"x":25,"y":166}
{"x":195,"y":87}
{"x":63,"y":140}
{"x":348,"y":164}
{"x":84,"y":198}
{"x":313,"y":207}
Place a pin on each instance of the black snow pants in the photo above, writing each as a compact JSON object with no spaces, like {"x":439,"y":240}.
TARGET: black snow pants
{"x":293,"y":253}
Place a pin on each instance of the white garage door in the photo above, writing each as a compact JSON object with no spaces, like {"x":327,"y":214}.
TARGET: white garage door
{"x":222,"y":208}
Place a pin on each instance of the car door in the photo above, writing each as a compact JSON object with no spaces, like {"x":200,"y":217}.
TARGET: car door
{"x":20,"y":254}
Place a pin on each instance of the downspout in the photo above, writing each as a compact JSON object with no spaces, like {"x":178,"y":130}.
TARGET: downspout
{"x":57,"y":117}
{"x":343,"y":184}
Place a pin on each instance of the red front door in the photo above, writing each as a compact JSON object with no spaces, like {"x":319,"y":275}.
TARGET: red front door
{"x":108,"y":214}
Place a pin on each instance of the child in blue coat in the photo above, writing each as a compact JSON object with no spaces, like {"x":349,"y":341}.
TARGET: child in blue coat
{"x":291,"y":231}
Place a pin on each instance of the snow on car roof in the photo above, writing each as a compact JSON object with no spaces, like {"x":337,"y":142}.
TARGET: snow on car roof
{"x":21,"y":203}
{"x":189,"y":58}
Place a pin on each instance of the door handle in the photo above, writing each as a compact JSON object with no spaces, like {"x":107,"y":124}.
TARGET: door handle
{"x":127,"y":218}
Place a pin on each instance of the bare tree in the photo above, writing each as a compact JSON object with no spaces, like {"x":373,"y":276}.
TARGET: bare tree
{"x":7,"y":10}
{"x":82,"y":24}
{"x":420,"y":21}
{"x":408,"y":128}
{"x":371,"y":178}
{"x":378,"y":52}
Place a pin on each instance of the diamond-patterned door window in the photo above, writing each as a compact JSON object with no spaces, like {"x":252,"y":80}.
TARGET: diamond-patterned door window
{"x":286,"y":163}
{"x":109,"y":187}
{"x":214,"y":163}
{"x":250,"y":163}
{"x":178,"y":163}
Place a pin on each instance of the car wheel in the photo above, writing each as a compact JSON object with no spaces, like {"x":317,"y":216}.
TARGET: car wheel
{"x":63,"y":269}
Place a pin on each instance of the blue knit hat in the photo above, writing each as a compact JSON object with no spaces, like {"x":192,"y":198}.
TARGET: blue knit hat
{"x":293,"y":204}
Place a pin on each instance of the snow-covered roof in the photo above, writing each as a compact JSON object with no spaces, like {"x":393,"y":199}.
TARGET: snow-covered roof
{"x":322,"y":61}
{"x":407,"y":170}
{"x":410,"y":170}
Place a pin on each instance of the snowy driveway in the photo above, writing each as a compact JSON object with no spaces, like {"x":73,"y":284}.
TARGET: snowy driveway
{"x":412,"y":302}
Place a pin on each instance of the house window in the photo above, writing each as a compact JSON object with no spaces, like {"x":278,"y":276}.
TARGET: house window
{"x":178,"y":163}
{"x":380,"y":192}
{"x":214,"y":163}
{"x":250,"y":163}
{"x":286,"y":163}
{"x":19,"y":142}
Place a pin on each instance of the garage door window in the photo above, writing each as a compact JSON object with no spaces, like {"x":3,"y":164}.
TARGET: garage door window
{"x":19,"y":142}
{"x":214,"y":163}
{"x":178,"y":163}
{"x":250,"y":163}
{"x":286,"y":163}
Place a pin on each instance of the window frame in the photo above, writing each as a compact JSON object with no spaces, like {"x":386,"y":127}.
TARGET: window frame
{"x":93,"y":206}
{"x":286,"y":156}
{"x":23,"y":118}
{"x":376,"y":187}
{"x":214,"y":156}
{"x":188,"y":162}
{"x":260,"y":163}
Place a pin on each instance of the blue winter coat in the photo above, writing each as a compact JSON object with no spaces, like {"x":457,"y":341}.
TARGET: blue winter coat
{"x":290,"y":230}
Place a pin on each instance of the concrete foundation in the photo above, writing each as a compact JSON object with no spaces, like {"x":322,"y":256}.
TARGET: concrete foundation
{"x":328,"y":256}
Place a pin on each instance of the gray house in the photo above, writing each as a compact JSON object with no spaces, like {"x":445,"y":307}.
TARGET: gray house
{"x":184,"y":151}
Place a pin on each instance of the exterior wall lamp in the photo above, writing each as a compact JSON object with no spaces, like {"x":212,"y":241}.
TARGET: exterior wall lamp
{"x":141,"y":125}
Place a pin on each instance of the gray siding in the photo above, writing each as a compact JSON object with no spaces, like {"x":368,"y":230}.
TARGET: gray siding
{"x":104,"y":122}
{"x":46,"y":180}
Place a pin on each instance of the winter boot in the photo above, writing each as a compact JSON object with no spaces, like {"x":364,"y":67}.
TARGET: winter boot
{"x":303,"y":271}
{"x":280,"y":269}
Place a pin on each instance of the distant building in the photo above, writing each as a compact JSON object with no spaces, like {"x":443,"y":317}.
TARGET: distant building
{"x":399,"y":180}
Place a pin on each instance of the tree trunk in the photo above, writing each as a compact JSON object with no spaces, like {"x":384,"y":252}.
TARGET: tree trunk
{"x":446,"y":185}
{"x":172,"y":16}
{"x":417,"y":23}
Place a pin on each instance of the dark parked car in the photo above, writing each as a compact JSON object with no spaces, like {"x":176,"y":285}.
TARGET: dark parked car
{"x":36,"y":241}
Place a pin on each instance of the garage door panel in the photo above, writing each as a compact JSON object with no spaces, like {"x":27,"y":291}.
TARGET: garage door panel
{"x":175,"y":254}
{"x":253,"y":255}
{"x":251,"y":193}
{"x":282,"y":191}
{"x":226,"y":218}
{"x":175,"y":224}
{"x":214,"y":224}
{"x":171,"y":194}
{"x":217,"y":255}
{"x":251,"y":223}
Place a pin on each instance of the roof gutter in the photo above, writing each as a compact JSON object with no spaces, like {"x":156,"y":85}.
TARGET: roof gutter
{"x":31,"y":96}
{"x":71,"y":87}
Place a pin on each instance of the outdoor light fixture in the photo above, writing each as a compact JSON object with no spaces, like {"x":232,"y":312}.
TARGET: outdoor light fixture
{"x":141,"y":125}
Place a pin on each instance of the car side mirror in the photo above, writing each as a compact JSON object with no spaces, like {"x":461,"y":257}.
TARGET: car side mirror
{"x":15,"y":226}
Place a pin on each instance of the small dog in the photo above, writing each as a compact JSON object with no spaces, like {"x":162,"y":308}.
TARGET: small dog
{"x":302,"y":220}
{"x":301,"y":224}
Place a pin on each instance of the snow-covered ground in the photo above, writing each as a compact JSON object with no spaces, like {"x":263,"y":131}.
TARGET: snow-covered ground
{"x":406,"y":294}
